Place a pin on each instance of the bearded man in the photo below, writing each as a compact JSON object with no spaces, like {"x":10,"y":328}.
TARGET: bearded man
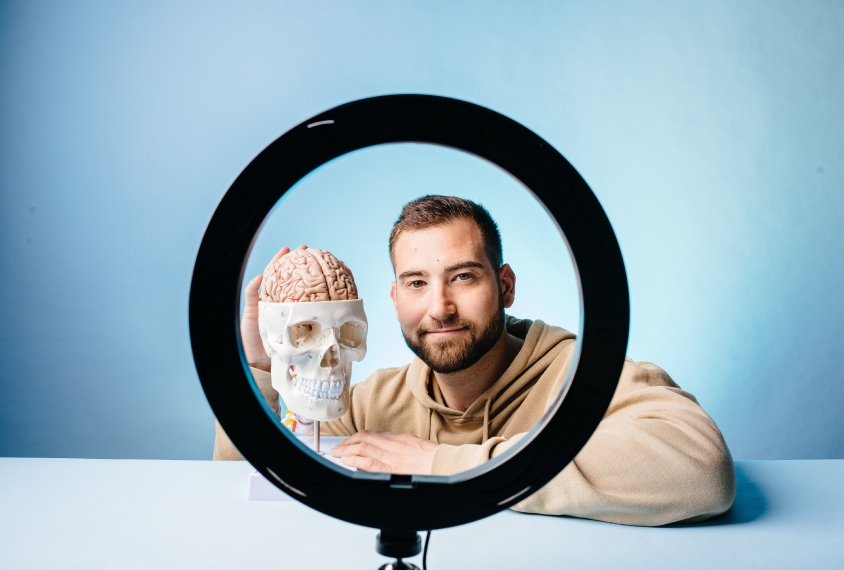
{"x":481,"y":380}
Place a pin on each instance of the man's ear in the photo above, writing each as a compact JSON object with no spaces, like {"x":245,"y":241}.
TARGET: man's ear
{"x":508,"y":284}
{"x":393,"y":297}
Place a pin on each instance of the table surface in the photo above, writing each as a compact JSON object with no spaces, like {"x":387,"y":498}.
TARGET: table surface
{"x":91,"y":513}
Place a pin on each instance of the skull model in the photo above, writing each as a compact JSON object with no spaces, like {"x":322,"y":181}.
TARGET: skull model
{"x":312,"y":342}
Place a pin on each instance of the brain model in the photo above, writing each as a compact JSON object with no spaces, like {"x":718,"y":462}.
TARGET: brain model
{"x":308,"y":275}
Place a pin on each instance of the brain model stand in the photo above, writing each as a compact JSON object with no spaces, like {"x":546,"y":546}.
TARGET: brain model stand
{"x":313,"y":327}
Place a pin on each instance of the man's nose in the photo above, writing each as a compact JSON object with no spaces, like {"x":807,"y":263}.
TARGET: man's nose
{"x":441,"y":305}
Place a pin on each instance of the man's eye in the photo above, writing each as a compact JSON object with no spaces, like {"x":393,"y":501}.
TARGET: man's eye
{"x":464,"y":277}
{"x":416,"y":284}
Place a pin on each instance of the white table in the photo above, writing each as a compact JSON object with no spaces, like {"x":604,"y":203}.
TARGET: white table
{"x":85,"y":513}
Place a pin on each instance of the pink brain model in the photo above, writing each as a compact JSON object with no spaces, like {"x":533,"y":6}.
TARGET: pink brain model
{"x":308,"y":275}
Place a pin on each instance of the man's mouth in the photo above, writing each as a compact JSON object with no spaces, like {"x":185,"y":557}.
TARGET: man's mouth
{"x":444,"y":332}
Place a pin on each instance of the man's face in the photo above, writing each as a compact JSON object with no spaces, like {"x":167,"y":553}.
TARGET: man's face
{"x":447,"y":295}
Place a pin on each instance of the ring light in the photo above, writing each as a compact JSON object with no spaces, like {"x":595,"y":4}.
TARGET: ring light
{"x":402,"y":504}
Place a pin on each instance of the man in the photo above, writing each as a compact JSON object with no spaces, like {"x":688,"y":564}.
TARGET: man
{"x":481,"y":380}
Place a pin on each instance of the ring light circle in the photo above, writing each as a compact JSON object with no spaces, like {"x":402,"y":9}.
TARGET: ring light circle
{"x":404,"y":502}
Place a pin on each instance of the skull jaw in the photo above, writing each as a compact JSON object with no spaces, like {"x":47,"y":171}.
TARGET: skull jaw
{"x":317,"y":409}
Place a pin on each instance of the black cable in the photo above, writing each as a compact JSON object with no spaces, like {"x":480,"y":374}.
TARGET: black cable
{"x":425,"y":551}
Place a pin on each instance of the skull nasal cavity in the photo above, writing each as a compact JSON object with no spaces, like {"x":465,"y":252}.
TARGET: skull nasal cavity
{"x":331,"y":358}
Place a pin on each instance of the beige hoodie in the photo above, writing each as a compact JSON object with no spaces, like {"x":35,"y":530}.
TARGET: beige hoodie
{"x":655,"y":458}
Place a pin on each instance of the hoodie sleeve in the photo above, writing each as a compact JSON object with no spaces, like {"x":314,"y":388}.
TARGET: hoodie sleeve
{"x":224,"y":449}
{"x":656,"y":458}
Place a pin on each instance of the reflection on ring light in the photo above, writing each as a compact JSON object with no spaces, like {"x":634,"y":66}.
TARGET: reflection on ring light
{"x":401,"y":505}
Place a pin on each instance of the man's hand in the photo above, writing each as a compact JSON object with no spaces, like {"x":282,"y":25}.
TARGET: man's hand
{"x":386,"y":452}
{"x":256,"y":356}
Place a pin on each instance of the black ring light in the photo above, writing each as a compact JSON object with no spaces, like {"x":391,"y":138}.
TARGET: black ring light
{"x":402,"y":503}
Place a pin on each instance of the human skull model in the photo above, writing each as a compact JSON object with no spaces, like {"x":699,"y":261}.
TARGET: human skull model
{"x":313,"y":327}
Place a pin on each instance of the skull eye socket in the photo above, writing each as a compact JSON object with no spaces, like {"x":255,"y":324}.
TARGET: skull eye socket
{"x":305,"y":334}
{"x":353,"y":333}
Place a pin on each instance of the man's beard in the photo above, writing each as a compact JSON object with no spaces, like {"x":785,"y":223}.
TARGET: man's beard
{"x":453,"y":355}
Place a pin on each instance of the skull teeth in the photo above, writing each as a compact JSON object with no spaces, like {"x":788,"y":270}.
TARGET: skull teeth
{"x":330,"y":389}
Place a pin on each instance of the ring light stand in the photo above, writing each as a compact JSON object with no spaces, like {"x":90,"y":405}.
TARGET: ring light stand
{"x":401,"y":505}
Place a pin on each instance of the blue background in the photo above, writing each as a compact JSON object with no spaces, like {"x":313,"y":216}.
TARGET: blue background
{"x":712,"y":133}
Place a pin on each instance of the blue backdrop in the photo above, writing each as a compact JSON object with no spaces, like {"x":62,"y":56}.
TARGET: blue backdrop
{"x":712,"y":133}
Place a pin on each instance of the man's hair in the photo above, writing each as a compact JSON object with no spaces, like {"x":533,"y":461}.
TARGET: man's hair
{"x":433,"y":210}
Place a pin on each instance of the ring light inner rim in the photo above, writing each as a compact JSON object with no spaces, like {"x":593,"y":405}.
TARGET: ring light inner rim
{"x":488,"y":465}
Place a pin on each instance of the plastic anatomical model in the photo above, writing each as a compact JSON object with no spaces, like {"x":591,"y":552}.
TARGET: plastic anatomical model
{"x":313,"y":327}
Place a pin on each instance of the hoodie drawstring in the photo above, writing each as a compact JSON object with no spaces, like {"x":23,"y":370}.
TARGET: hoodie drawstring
{"x":487,"y":405}
{"x":486,"y":420}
